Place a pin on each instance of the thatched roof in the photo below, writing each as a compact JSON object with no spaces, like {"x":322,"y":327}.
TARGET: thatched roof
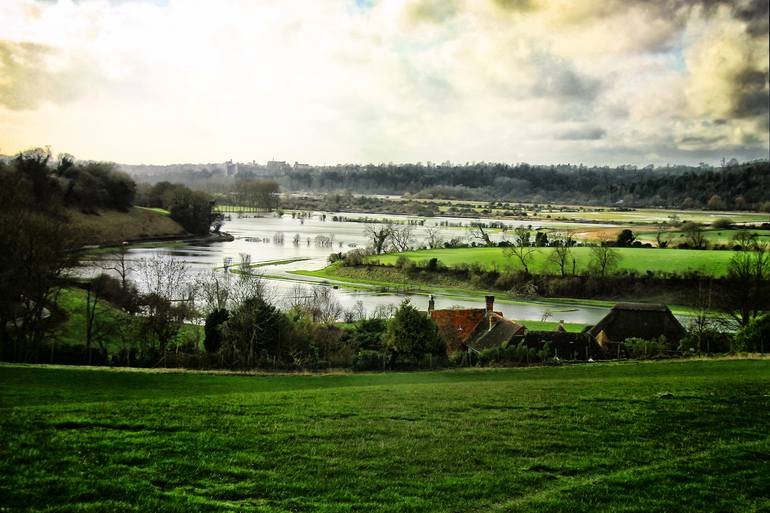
{"x":629,"y":320}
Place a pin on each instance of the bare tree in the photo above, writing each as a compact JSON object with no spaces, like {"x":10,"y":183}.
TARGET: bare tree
{"x":433,"y":237}
{"x":696,"y":237}
{"x":249,"y":285}
{"x":296,"y":298}
{"x":402,"y":237}
{"x":163,"y":276}
{"x":703,"y":325}
{"x":604,"y":259}
{"x":118,"y":262}
{"x":97,"y":327}
{"x":660,"y":240}
{"x":521,"y":254}
{"x":384,"y":312}
{"x":378,"y":235}
{"x":478,"y":232}
{"x":245,"y":262}
{"x":167,"y":302}
{"x":522,"y":236}
{"x":561,"y":256}
{"x":214,"y":289}
{"x":749,"y":269}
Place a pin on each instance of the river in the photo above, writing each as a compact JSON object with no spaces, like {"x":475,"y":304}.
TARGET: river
{"x":289,"y":243}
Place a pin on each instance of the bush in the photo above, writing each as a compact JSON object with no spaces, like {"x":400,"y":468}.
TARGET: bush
{"x":355,"y":257}
{"x":404,"y":263}
{"x":520,"y":354}
{"x":368,"y":360}
{"x":755,"y":336}
{"x":367,"y":334}
{"x":641,"y":348}
{"x":722,"y":224}
{"x":412,"y":333}
{"x":213,"y":336}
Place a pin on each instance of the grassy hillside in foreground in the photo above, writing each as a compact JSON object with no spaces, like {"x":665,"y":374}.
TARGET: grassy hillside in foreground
{"x":114,"y":227}
{"x":665,"y":436}
{"x":712,"y":263}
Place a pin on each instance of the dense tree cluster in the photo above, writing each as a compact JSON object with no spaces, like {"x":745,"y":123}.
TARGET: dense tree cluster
{"x":194,"y":210}
{"x":738,"y":187}
{"x":45,"y":184}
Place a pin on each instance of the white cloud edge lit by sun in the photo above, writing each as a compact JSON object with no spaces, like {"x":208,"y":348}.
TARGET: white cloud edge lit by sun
{"x":339,"y":81}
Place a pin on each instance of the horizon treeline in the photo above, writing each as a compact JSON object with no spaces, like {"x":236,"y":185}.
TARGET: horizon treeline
{"x":732,"y":187}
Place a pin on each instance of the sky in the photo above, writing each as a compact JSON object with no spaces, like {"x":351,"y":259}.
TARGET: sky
{"x":370,"y":81}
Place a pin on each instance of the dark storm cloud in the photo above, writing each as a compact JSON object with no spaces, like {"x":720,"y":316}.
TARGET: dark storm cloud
{"x":755,"y":13}
{"x":751,"y":93}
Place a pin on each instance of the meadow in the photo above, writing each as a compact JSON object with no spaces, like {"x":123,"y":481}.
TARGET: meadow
{"x":711,"y":236}
{"x":110,"y":325}
{"x":713,"y":263}
{"x":114,"y":227}
{"x":663,"y":436}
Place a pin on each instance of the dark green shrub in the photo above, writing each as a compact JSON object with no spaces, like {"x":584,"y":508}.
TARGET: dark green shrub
{"x":213,"y":336}
{"x":641,"y":348}
{"x":412,"y":333}
{"x":367,"y":334}
{"x":369,"y":360}
{"x":755,"y":336}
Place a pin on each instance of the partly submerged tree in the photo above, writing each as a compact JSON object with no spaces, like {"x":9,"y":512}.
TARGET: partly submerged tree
{"x":378,"y":235}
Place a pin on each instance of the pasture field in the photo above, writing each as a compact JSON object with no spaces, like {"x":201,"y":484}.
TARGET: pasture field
{"x":642,"y":216}
{"x":71,"y":330}
{"x":652,"y":437}
{"x":114,"y":227}
{"x":712,"y":236}
{"x":712,"y":263}
{"x":653,"y":215}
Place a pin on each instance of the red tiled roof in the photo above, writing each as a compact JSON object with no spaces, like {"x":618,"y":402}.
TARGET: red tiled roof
{"x":456,"y":325}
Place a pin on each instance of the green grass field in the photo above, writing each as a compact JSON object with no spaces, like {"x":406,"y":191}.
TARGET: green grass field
{"x":114,"y":227}
{"x":712,"y":236}
{"x":72,"y":330}
{"x":639,"y":259}
{"x":644,"y":437}
{"x":653,"y":215}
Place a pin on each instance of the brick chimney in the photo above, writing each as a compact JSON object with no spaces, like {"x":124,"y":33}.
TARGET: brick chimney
{"x":490,"y":304}
{"x":431,"y":304}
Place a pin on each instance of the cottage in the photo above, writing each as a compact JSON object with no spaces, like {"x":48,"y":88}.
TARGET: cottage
{"x":476,"y":327}
{"x":629,"y":320}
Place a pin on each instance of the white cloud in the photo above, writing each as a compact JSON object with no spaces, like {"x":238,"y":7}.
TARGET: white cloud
{"x":402,"y":80}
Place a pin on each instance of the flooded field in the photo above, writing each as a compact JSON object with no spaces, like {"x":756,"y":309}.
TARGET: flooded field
{"x":277,"y":245}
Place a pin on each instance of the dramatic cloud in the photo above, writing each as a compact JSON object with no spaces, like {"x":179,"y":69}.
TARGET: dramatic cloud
{"x":33,"y":73}
{"x":398,"y":80}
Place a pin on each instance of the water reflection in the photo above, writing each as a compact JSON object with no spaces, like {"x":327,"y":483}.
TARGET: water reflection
{"x":272,"y":239}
